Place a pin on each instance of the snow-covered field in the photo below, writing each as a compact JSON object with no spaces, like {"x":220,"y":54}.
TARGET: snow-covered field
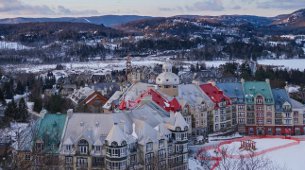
{"x":261,"y":145}
{"x":290,"y":158}
{"x":288,"y":63}
{"x":120,"y":64}
{"x":12,"y":45}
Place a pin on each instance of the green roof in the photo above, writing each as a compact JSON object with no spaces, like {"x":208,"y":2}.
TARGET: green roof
{"x":50,"y":129}
{"x":254,"y":88}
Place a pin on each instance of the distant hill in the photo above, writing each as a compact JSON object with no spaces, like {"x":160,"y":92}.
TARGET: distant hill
{"x":295,"y":19}
{"x":107,"y":20}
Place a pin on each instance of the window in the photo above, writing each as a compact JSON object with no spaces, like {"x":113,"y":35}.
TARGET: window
{"x":27,"y":156}
{"x":39,"y":146}
{"x":161,"y":154}
{"x":69,"y":160}
{"x":68,"y":148}
{"x":82,"y":162}
{"x":161,"y":143}
{"x":216,"y":127}
{"x":149,"y":147}
{"x":149,"y":158}
{"x":97,"y":148}
{"x":97,"y":161}
{"x":251,"y":131}
{"x":133,"y":159}
{"x":83,"y":146}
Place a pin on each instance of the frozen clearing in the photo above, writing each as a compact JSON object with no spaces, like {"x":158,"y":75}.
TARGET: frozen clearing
{"x":121,"y":64}
{"x":290,"y":158}
{"x":287,"y":63}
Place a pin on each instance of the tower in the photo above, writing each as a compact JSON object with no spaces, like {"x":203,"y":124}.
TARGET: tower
{"x":168,"y":81}
{"x":128,"y":68}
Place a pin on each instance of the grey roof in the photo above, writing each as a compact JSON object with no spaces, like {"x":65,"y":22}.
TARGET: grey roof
{"x":233,"y":90}
{"x":93,"y":127}
{"x":296,"y":104}
{"x":193,"y":95}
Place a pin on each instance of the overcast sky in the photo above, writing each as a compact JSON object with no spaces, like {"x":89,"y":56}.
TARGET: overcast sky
{"x":57,"y":8}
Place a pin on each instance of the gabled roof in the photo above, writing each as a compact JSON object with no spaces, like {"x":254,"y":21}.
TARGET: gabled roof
{"x":280,"y":97}
{"x":177,"y":121}
{"x":215,"y":94}
{"x":233,"y":90}
{"x":193,"y":95}
{"x":254,"y":88}
{"x":116,"y":135}
{"x":296,"y":104}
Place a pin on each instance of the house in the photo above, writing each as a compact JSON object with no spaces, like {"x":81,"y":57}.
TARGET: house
{"x":39,"y":143}
{"x":221,"y":117}
{"x":236,"y":94}
{"x":137,"y":139}
{"x":88,"y":100}
{"x":260,"y":116}
{"x":169,"y":95}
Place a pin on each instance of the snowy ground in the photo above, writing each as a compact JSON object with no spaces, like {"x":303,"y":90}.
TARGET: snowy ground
{"x":290,"y":158}
{"x":288,"y":63}
{"x":120,"y":64}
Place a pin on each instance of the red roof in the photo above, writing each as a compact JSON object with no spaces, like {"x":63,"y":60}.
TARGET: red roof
{"x":172,"y":105}
{"x":122,"y":105}
{"x":215,"y":94}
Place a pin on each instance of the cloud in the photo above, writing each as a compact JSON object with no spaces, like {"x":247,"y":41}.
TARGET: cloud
{"x":207,"y":5}
{"x":236,"y":7}
{"x":281,"y":4}
{"x":164,"y":9}
{"x":17,"y":7}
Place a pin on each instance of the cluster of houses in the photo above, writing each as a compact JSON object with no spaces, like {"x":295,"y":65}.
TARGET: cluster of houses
{"x":150,"y":125}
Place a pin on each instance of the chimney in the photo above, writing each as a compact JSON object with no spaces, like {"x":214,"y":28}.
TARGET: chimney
{"x":122,"y":125}
{"x":268,"y":81}
{"x":70,"y":113}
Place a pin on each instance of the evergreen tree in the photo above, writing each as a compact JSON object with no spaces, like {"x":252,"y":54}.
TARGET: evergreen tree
{"x":20,"y":89}
{"x":11,"y":110}
{"x":2,"y":100}
{"x":37,"y":104}
{"x":22,"y":111}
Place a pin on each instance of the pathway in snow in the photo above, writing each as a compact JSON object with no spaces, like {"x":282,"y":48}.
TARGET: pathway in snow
{"x":283,"y":152}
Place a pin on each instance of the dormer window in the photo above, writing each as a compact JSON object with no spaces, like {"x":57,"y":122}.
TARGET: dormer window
{"x":161,"y":143}
{"x":68,"y":148}
{"x":39,"y":146}
{"x":149,"y":147}
{"x":97,"y":148}
{"x":83,"y":146}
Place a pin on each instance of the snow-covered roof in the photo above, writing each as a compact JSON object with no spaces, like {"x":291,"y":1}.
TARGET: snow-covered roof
{"x":94,"y":127}
{"x":192,"y":94}
{"x":167,"y":78}
{"x":116,"y":135}
{"x":177,"y":121}
{"x":113,"y":98}
{"x":80,"y":94}
{"x":296,"y":104}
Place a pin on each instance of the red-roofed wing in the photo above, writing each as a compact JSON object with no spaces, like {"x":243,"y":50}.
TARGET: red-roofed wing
{"x":174,"y":105}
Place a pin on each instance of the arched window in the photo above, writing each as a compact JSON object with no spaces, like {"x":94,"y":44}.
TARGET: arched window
{"x":83,"y":146}
{"x":115,"y":144}
{"x":124,"y":143}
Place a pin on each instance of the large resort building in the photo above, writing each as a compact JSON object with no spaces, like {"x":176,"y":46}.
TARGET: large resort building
{"x":149,"y":126}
